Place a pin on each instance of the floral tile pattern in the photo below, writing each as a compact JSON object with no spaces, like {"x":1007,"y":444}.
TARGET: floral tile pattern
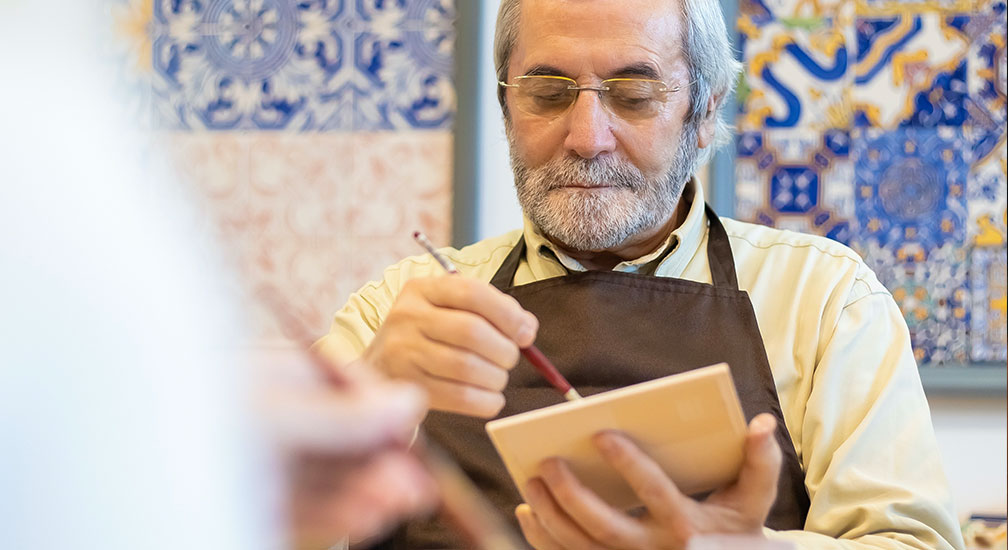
{"x":298,"y":222}
{"x":315,"y":134}
{"x":315,"y":65}
{"x":987,"y":191}
{"x":986,"y":64}
{"x":920,"y":190}
{"x":796,"y":179}
{"x":933,"y":294}
{"x":797,"y":74}
{"x":910,"y":187}
{"x":910,"y":70}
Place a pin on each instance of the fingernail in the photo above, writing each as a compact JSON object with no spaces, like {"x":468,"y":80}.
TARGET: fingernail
{"x":764,"y":425}
{"x":526,"y":334}
{"x":604,"y":442}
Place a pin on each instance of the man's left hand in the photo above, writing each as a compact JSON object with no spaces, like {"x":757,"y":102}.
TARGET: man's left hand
{"x":562,"y":513}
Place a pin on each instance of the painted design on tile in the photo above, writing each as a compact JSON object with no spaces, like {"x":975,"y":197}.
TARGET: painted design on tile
{"x":797,"y":74}
{"x":793,"y":11}
{"x":989,"y":282}
{"x":910,"y":70}
{"x":987,"y":67}
{"x":923,"y":189}
{"x":987,"y":190}
{"x":932,"y":291}
{"x":910,"y":188}
{"x":900,"y":7}
{"x":796,"y":179}
{"x":299,"y":213}
{"x":318,"y":65}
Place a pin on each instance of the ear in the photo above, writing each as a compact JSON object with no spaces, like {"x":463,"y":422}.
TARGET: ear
{"x":705,"y":132}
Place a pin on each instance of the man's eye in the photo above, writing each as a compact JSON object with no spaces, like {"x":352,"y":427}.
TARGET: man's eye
{"x":631,"y":101}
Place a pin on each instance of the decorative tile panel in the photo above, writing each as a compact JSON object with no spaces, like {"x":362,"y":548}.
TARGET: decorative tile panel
{"x":314,"y":65}
{"x":797,"y":74}
{"x":986,"y":67}
{"x":910,"y":188}
{"x":911,"y":71}
{"x":986,"y":193}
{"x":315,"y":216}
{"x":932,"y":291}
{"x":796,"y":179}
{"x":989,"y":280}
{"x":922,"y":193}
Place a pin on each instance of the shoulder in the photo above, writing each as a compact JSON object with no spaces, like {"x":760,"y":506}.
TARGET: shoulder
{"x":799,"y":257}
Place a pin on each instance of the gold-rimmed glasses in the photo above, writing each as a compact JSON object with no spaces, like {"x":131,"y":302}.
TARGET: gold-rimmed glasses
{"x":628,"y":98}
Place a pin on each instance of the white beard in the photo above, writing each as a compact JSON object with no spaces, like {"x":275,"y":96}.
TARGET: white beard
{"x":626,"y":204}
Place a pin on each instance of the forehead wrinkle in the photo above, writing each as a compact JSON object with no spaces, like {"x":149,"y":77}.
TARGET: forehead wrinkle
{"x":649,"y":33}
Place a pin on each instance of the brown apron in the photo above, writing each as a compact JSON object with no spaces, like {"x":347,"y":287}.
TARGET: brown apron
{"x":606,"y":330}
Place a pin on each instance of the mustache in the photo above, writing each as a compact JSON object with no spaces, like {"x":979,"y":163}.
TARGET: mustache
{"x":597,"y":172}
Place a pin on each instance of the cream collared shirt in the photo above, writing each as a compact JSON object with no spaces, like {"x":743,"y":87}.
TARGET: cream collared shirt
{"x":840,"y":354}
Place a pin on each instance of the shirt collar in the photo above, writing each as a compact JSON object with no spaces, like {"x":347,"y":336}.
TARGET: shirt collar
{"x":668,"y":260}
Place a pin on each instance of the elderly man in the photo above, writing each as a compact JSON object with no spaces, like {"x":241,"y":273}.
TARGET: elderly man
{"x":623,"y":274}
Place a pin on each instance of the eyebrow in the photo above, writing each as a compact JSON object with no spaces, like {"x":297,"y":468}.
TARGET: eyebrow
{"x":544,"y":70}
{"x":641,"y":70}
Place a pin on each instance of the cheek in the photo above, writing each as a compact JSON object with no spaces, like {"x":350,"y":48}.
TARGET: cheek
{"x":538,"y":142}
{"x":651,"y":150}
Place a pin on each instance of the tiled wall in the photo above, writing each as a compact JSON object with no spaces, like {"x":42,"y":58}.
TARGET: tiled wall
{"x":881,"y":124}
{"x":316,"y":132}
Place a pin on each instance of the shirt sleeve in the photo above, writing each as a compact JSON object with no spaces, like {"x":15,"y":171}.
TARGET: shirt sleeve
{"x":354,"y":325}
{"x":871,"y":460}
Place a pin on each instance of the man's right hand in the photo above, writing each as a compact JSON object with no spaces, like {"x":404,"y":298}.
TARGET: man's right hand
{"x":457,"y":338}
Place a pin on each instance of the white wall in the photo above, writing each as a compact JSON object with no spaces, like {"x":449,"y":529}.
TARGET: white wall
{"x":972,"y":437}
{"x":497,"y":209}
{"x":971,"y":432}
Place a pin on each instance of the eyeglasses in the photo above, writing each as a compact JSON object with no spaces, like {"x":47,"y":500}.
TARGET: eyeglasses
{"x":628,"y":98}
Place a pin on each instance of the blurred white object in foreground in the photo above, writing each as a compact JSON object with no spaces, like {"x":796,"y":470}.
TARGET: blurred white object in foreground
{"x":121,"y":428}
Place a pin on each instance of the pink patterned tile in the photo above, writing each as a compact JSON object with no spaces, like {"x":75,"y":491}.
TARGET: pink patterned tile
{"x":315,"y":216}
{"x":402,"y":184}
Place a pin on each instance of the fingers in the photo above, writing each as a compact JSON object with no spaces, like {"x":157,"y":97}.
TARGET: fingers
{"x":757,"y":481}
{"x":354,"y":420}
{"x":534,"y":532}
{"x":450,"y":396}
{"x":558,"y":528}
{"x":457,"y":338}
{"x":331,"y":496}
{"x":647,"y":479}
{"x":575,"y":515}
{"x":501,"y":310}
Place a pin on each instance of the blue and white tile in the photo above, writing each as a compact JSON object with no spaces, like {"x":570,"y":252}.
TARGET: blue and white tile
{"x":305,"y":66}
{"x":987,"y":188}
{"x":796,"y":179}
{"x":910,"y":187}
{"x":911,"y":70}
{"x":932,"y":291}
{"x":987,"y":66}
{"x":795,"y":75}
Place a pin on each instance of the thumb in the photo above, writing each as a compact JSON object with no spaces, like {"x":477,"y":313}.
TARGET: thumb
{"x":756,"y":486}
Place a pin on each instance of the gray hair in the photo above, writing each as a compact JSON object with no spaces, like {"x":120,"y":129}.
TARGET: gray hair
{"x":712,"y":64}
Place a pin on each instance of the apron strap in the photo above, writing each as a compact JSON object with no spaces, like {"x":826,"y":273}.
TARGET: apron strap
{"x":505,"y":273}
{"x":719,"y":256}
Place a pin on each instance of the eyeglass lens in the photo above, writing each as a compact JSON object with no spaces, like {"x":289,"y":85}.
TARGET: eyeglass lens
{"x":631,"y":99}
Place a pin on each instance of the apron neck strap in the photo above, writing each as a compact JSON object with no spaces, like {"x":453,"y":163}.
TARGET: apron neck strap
{"x":719,"y":256}
{"x":505,"y":273}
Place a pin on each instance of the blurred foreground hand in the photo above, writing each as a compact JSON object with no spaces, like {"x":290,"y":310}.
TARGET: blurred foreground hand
{"x":344,"y":450}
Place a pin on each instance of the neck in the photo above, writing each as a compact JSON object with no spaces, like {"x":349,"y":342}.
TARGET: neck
{"x":639,"y":245}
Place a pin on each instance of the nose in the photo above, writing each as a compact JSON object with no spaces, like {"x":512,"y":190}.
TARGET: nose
{"x":589,"y":127}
